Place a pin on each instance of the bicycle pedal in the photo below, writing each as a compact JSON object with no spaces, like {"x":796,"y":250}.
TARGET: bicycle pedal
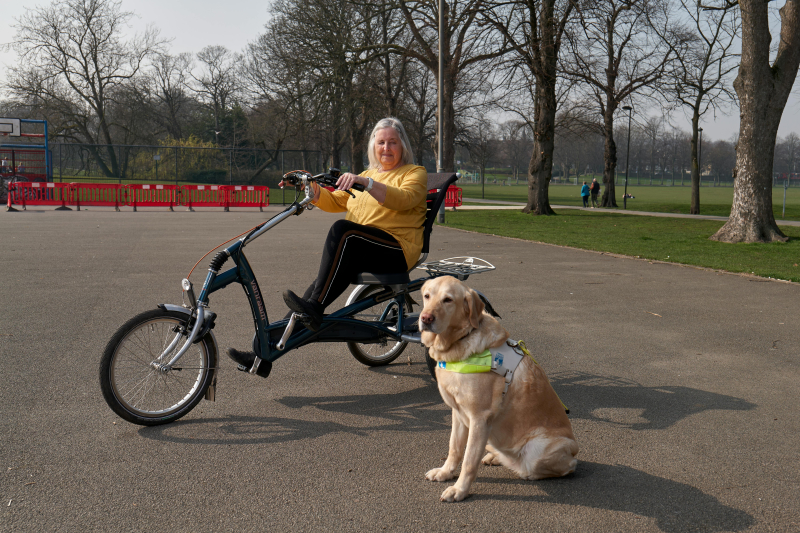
{"x":242,"y":368}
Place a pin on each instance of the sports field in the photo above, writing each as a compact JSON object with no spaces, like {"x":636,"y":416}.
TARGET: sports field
{"x":713,"y":200}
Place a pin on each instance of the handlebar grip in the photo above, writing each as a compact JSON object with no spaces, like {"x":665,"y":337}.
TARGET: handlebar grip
{"x":358,"y":187}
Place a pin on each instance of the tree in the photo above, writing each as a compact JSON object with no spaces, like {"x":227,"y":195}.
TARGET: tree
{"x":701,"y":83}
{"x":534,"y":30}
{"x":218,"y":85}
{"x":167,"y":87}
{"x":73,"y":56}
{"x":763,"y":89}
{"x":482,"y":145}
{"x":338,"y":57}
{"x":613,"y":52}
{"x":466,"y":44}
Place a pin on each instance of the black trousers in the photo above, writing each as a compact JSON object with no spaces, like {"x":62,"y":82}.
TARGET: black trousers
{"x":351,"y":249}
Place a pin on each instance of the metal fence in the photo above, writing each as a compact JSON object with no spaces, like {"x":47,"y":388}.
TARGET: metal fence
{"x":178,"y":164}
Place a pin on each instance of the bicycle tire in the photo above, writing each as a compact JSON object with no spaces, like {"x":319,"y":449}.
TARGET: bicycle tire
{"x":372,"y":354}
{"x":142,"y":394}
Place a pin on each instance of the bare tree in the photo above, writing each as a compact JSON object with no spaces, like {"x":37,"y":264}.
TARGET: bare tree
{"x":652,"y":130}
{"x":419,"y":115}
{"x":73,"y":56}
{"x":534,"y":29}
{"x":787,"y":153}
{"x":168,"y":87}
{"x":702,"y":81}
{"x":466,"y":43}
{"x":217,"y":84}
{"x":482,"y":145}
{"x":763,"y":88}
{"x":614,"y":52}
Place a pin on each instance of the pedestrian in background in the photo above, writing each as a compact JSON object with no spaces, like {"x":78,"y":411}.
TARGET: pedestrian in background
{"x":585,"y":194}
{"x":595,"y":189}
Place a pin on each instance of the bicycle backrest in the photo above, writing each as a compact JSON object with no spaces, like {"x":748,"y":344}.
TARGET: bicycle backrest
{"x":440,"y":181}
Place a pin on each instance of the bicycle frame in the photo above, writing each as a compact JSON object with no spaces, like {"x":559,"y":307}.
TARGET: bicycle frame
{"x":335,"y":327}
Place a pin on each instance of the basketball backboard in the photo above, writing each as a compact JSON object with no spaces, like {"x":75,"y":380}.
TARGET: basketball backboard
{"x":10,"y":127}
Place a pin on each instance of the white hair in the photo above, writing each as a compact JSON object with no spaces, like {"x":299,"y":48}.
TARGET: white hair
{"x":406,"y":158}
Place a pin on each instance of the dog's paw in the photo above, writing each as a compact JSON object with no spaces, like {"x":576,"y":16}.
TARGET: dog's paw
{"x":453,"y":494}
{"x":491,"y":459}
{"x":439,"y":474}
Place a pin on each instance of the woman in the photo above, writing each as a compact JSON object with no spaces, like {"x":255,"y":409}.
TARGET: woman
{"x":585,"y":194}
{"x":382,"y":232}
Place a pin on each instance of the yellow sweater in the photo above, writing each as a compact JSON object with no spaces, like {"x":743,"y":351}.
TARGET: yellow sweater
{"x":402,"y":214}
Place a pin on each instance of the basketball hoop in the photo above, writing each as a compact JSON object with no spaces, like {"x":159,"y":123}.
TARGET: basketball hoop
{"x":10,"y":127}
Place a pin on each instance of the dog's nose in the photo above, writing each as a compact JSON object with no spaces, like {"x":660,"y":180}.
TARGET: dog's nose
{"x":427,"y":318}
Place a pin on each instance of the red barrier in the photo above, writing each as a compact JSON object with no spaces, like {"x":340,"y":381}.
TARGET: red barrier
{"x":453,"y":198}
{"x":143,"y":195}
{"x":247,"y":196}
{"x":98,"y":194}
{"x":203,"y":196}
{"x":39,"y":193}
{"x":152,"y":196}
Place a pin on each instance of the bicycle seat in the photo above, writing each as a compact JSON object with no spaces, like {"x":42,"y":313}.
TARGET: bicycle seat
{"x":441,"y":182}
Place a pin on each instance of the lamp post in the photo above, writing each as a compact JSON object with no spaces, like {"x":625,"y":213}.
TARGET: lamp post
{"x":629,"y":109}
{"x":700,"y":157}
{"x":440,"y":101}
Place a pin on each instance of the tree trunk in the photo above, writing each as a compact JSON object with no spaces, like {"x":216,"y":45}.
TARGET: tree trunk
{"x":694,"y":208}
{"x":540,"y":168}
{"x":763,"y":90}
{"x":609,"y":158}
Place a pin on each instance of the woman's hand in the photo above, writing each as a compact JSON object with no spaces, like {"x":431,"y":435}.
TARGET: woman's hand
{"x":347,"y":180}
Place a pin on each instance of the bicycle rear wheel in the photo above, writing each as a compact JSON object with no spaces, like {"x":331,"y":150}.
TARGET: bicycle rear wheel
{"x":134,"y":386}
{"x":387,"y":349}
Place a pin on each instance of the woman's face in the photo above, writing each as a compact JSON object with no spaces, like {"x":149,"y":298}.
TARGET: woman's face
{"x":388,"y":150}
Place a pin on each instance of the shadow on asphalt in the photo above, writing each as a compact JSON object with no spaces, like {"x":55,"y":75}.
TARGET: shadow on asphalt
{"x":628,"y":404}
{"x":676,"y":507}
{"x":416,"y":410}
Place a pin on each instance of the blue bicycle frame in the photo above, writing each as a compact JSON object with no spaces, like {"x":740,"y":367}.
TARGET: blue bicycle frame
{"x":335,"y":327}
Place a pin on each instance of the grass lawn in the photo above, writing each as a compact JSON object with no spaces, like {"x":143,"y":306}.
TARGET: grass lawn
{"x":665,"y":239}
{"x":713,"y":200}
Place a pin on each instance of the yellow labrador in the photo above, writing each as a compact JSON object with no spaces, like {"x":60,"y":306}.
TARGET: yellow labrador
{"x":525,"y":429}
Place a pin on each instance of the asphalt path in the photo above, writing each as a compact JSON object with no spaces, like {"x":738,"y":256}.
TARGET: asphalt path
{"x":683,"y":386}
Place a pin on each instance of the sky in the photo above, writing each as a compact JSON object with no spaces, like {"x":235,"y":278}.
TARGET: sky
{"x":194,"y":24}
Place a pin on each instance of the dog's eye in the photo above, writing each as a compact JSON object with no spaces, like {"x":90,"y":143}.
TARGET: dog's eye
{"x":447,"y":299}
{"x":426,"y":296}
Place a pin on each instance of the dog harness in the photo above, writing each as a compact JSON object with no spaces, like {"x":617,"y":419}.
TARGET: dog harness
{"x":502,"y":360}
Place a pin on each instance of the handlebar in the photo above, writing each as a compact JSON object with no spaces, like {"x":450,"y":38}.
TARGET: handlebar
{"x":301,"y":178}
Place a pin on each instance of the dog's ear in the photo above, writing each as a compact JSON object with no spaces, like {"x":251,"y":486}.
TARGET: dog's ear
{"x":473,"y":307}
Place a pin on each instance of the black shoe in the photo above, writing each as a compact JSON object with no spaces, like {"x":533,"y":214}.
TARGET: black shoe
{"x":311,"y":313}
{"x":245,"y":360}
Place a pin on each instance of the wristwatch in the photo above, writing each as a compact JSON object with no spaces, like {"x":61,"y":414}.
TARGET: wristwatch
{"x":369,"y":185}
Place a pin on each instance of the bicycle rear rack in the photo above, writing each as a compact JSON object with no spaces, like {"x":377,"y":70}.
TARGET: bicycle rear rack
{"x":458,"y":267}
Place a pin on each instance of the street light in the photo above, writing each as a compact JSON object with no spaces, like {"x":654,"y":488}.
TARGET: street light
{"x":629,"y":109}
{"x":700,"y":157}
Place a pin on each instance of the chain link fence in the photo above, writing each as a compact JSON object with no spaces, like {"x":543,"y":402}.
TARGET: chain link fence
{"x":178,"y":164}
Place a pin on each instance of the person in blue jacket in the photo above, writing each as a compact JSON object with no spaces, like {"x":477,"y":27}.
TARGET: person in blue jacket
{"x":585,"y":192}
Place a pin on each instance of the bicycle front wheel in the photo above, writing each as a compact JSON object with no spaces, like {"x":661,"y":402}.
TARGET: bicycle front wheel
{"x":134,"y":385}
